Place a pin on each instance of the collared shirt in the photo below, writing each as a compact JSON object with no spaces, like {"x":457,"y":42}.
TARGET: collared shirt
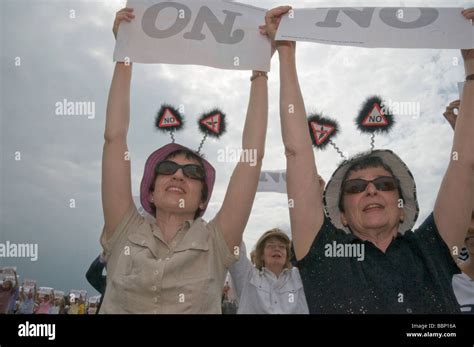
{"x":463,"y":286}
{"x":413,"y":275}
{"x":145,"y":274}
{"x":260,"y":291}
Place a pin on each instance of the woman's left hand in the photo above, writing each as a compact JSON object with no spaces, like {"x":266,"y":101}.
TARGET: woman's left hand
{"x":450,"y":114}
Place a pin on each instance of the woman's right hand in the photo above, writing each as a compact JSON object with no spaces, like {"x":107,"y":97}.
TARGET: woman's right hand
{"x":124,"y":14}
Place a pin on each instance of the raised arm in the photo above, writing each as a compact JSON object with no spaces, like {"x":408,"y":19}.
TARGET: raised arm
{"x":240,"y":271}
{"x":116,"y":177}
{"x":453,"y":206}
{"x":302,"y":182}
{"x":16,"y":280}
{"x":235,"y":211}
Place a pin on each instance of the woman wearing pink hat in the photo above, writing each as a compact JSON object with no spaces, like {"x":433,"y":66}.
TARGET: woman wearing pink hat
{"x":177,"y":263}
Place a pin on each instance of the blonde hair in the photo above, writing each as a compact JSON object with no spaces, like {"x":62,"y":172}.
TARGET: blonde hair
{"x":278,"y":233}
{"x":252,"y":257}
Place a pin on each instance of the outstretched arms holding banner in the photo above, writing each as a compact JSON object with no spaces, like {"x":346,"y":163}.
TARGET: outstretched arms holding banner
{"x":116,"y":171}
{"x":303,"y":185}
{"x":235,"y":211}
{"x":453,"y":206}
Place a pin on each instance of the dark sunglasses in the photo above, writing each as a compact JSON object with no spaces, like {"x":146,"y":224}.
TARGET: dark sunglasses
{"x":359,"y":185}
{"x":194,"y":171}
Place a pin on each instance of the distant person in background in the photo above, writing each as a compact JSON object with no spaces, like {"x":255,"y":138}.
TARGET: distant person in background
{"x":273,"y":285}
{"x":7,"y":292}
{"x":463,"y":283}
{"x":74,"y":306}
{"x":62,"y":306}
{"x":45,"y":304}
{"x":96,"y":278}
{"x":58,"y":305}
{"x":225,"y":291}
{"x":27,"y":302}
{"x":229,"y":305}
{"x":82,"y":306}
{"x":92,"y":308}
{"x":12,"y":307}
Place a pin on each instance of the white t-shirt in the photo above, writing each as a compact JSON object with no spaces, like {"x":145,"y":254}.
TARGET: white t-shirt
{"x":463,"y":287}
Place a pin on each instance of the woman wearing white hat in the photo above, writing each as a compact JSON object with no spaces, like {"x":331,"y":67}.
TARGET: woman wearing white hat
{"x":371,"y":207}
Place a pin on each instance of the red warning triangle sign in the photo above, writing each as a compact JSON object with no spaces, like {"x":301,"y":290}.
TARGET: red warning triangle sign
{"x":375,"y":117}
{"x":213,"y":122}
{"x":168,"y":119}
{"x":321,"y":132}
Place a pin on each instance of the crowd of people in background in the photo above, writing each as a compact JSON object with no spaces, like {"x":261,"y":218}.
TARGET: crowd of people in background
{"x":28,"y":298}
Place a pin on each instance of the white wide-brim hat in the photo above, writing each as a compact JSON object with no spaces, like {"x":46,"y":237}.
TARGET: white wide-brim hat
{"x":400,"y":171}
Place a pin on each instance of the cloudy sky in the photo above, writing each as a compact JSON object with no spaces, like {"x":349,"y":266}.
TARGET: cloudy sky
{"x":71,"y":58}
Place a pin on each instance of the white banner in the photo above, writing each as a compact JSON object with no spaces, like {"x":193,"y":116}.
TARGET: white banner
{"x":212,"y":33}
{"x":58,"y":294}
{"x":94,"y":299}
{"x":8,"y":270}
{"x":272,"y":181}
{"x":78,"y":293}
{"x":395,"y":27}
{"x":45,"y":290}
{"x":28,"y":285}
